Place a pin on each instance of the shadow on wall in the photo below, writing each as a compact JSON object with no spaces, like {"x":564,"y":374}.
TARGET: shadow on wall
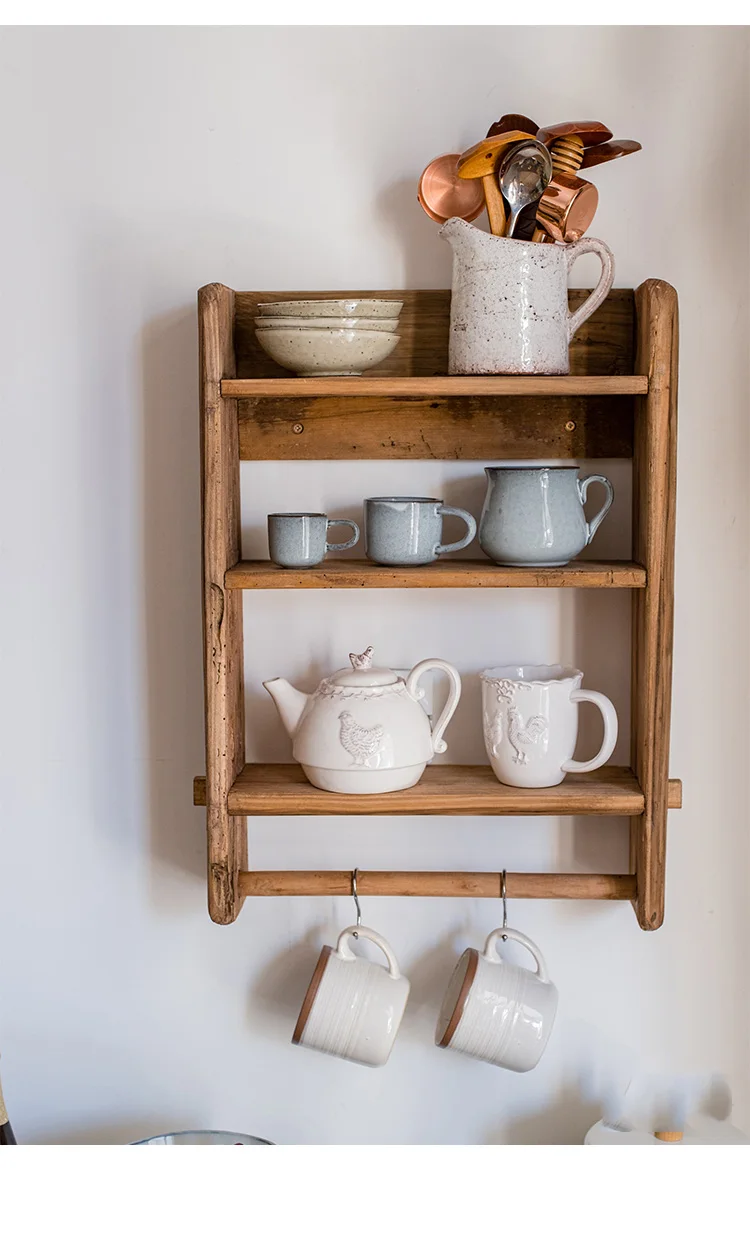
{"x":172,"y":579}
{"x":282,"y":984}
{"x":564,"y":1121}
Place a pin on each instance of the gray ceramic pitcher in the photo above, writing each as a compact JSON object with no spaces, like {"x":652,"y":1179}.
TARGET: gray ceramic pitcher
{"x":533,"y":517}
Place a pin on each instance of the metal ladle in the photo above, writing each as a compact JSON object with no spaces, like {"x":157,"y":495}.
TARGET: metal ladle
{"x":524,"y":176}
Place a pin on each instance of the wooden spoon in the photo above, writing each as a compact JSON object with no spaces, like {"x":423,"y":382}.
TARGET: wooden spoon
{"x":590,"y":131}
{"x":480,"y":161}
{"x":602,"y":152}
{"x":512,"y":121}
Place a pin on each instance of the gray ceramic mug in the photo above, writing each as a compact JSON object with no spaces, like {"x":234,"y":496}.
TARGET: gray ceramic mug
{"x":299,"y":539}
{"x":410,"y":530}
{"x":534,"y":517}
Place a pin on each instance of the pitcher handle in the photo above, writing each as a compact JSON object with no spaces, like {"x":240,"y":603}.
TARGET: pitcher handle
{"x":609,"y":716}
{"x":583,"y":489}
{"x":602,"y":288}
{"x":412,"y":681}
{"x":471,"y":529}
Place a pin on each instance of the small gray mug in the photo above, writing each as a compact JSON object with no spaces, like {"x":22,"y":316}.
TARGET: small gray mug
{"x":298,"y":539}
{"x":410,"y":530}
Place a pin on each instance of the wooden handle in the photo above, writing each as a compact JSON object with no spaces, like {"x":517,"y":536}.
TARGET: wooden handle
{"x":567,"y":155}
{"x":672,"y":1137}
{"x":539,"y":236}
{"x":495,"y":206}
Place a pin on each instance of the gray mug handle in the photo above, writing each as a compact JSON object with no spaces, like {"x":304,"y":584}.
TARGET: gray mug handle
{"x":343,"y":546}
{"x":583,"y":489}
{"x":471,"y":527}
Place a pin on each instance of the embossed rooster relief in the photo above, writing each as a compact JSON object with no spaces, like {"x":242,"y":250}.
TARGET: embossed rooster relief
{"x":521,"y":735}
{"x":359,"y":742}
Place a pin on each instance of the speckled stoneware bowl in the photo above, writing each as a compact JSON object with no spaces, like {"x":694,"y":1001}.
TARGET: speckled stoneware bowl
{"x":332,"y":308}
{"x":327,"y":353}
{"x":387,"y":325}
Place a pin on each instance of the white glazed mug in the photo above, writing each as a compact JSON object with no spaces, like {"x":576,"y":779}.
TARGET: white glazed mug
{"x":509,"y":301}
{"x":496,"y":1011}
{"x":530,"y":716}
{"x":353,"y":1008}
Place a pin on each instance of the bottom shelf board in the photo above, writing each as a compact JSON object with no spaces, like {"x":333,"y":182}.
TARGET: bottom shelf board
{"x":445,"y":789}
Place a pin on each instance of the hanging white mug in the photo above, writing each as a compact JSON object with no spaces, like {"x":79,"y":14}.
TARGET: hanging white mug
{"x":496,"y":1011}
{"x":530,"y":716}
{"x":353,"y":1008}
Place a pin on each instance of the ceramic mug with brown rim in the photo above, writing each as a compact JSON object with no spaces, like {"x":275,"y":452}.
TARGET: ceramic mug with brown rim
{"x":353,"y":1008}
{"x":496,"y":1011}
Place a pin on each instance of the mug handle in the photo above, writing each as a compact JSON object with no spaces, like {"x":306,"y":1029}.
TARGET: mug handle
{"x":583,"y":489}
{"x":451,"y":702}
{"x":471,"y":529}
{"x":345,"y":951}
{"x":343,"y":546}
{"x":512,"y":934}
{"x":603,"y":286}
{"x":609,"y":716}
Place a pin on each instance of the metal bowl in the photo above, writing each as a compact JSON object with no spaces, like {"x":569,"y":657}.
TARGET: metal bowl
{"x":203,"y":1138}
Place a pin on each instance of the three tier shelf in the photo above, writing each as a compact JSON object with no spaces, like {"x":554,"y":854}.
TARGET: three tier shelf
{"x":619,"y":401}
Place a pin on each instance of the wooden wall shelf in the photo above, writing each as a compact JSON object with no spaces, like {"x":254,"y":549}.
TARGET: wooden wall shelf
{"x":446,"y":574}
{"x":619,"y":400}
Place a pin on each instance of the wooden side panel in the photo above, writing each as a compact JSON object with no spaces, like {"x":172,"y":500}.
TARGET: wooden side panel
{"x":222,"y":609}
{"x":437,"y":428}
{"x":654,"y":492}
{"x":604,"y":344}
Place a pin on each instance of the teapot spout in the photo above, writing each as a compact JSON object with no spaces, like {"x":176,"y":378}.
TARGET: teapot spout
{"x":290,"y":703}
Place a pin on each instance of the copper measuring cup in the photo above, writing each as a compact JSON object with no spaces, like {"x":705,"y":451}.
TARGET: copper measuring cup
{"x":443,"y":194}
{"x":566,"y":209}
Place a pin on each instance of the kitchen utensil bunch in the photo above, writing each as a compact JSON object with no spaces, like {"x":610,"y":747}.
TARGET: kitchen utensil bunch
{"x":328,"y":337}
{"x":526,"y":176}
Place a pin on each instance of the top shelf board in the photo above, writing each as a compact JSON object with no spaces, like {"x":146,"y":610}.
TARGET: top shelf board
{"x":426,"y":387}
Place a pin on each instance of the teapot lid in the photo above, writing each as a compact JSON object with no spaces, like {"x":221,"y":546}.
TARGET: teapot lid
{"x":362,"y":673}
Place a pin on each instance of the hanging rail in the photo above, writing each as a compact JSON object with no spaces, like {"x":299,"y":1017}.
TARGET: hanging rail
{"x":577,"y":885}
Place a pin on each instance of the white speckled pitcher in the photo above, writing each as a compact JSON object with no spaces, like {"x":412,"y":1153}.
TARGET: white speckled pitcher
{"x":509,"y":304}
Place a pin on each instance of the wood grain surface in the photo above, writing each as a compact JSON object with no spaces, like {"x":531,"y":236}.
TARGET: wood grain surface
{"x":654,"y":500}
{"x":445,"y":789}
{"x":427,"y":387}
{"x":580,"y":886}
{"x":222,"y":608}
{"x":514,"y":427}
{"x":357,"y":574}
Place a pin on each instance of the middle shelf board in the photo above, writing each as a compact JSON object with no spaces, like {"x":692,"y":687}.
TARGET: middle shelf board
{"x":357,"y":574}
{"x":445,"y":789}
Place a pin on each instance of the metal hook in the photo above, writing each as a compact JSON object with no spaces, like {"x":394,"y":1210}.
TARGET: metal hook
{"x":355,"y":895}
{"x":504,"y":896}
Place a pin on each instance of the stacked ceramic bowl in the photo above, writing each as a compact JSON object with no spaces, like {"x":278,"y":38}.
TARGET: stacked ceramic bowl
{"x":328,"y":337}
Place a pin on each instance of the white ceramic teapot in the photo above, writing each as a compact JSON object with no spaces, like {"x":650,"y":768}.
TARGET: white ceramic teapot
{"x":364,"y":731}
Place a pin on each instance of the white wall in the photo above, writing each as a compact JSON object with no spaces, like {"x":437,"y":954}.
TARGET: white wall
{"x":137,"y":165}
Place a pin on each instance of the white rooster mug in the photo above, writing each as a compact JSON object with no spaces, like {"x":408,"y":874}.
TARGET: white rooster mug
{"x":530,"y":716}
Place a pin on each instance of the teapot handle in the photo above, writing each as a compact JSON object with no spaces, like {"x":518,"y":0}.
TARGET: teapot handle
{"x":412,"y":681}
